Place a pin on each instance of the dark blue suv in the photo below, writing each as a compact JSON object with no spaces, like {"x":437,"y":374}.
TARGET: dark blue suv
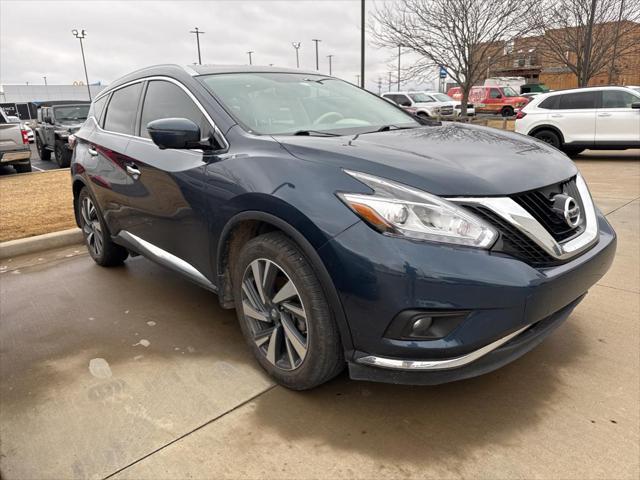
{"x":343,"y":230}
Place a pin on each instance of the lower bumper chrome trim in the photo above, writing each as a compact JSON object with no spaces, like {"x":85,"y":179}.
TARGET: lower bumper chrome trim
{"x":439,"y":364}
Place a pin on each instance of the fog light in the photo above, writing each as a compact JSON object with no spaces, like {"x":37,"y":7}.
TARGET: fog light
{"x":421,"y":326}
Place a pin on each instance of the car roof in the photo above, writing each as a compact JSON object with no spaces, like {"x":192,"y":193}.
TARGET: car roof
{"x":178,"y":71}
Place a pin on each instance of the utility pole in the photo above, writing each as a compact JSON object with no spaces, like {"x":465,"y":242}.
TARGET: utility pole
{"x":80,"y":35}
{"x":317,"y":41}
{"x":296,"y":45}
{"x":330,"y":57}
{"x":198,"y":33}
{"x":362,"y":40}
{"x":249,"y":53}
{"x":399,"y":53}
{"x":45,"y":80}
{"x":379,"y":86}
{"x":390,"y":73}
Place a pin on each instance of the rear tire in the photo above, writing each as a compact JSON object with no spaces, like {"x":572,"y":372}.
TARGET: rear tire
{"x":102,"y":249}
{"x":293,"y":334}
{"x":63,"y":154}
{"x":548,"y":136}
{"x":507,"y":112}
{"x":23,"y":168}
{"x":42,"y":152}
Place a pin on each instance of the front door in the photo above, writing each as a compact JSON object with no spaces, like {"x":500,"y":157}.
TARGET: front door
{"x":616,"y":122}
{"x":174,"y":213}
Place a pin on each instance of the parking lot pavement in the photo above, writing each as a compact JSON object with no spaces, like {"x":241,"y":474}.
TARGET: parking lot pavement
{"x":134,"y":372}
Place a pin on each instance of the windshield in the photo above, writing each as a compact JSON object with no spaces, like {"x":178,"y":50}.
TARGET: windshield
{"x":441,"y":97}
{"x":420,"y":97}
{"x":509,"y":92}
{"x":71,"y":113}
{"x":285,"y":103}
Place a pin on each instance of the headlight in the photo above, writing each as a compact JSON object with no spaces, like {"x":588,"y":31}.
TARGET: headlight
{"x":396,"y":209}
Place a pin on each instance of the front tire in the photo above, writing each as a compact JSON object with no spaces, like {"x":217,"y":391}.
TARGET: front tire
{"x":102,"y":249}
{"x":284,"y":314}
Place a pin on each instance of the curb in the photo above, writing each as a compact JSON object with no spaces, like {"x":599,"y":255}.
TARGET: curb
{"x":23,"y":246}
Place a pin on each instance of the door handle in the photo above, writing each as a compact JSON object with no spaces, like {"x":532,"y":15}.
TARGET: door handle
{"x":133,"y":171}
{"x":604,"y":114}
{"x":93,"y":152}
{"x":557,"y":115}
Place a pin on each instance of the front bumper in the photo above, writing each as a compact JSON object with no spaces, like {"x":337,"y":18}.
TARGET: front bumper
{"x":503,"y":295}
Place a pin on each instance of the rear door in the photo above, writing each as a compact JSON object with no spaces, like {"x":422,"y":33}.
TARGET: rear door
{"x":173,"y":212}
{"x":105,"y":159}
{"x":616,"y":122}
{"x":575,"y":115}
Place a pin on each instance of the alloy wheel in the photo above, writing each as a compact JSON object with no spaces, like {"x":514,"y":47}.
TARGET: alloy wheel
{"x":91,"y":226}
{"x":275,"y":313}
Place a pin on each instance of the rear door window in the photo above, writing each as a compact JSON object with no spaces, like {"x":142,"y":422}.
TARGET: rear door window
{"x":167,"y":100}
{"x":578,"y":101}
{"x":121,"y":112}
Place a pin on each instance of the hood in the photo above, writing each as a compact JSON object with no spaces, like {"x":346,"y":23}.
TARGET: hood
{"x":450,"y":160}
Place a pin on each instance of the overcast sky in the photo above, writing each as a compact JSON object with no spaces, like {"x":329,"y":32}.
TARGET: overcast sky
{"x":36,"y":38}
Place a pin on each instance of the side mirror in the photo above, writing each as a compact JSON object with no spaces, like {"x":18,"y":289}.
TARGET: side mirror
{"x":499,"y":95}
{"x":177,"y":133}
{"x":635,"y":105}
{"x":405,"y":104}
{"x":48,"y":120}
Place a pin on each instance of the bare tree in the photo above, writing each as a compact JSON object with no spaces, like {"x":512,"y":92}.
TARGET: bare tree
{"x":460,"y":35}
{"x":587,"y":36}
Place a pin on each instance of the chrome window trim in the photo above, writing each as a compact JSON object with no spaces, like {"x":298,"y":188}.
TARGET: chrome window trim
{"x":216,"y":130}
{"x":166,"y":259}
{"x":517,"y":216}
{"x":439,"y":364}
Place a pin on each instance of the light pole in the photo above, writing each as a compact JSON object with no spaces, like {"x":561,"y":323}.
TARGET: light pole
{"x":80,"y":35}
{"x":330,"y":57}
{"x":249,"y":53}
{"x":45,"y":80}
{"x":317,"y":41}
{"x":198,"y":33}
{"x":399,"y":53}
{"x":390,"y":73}
{"x":362,"y":13}
{"x":296,"y":45}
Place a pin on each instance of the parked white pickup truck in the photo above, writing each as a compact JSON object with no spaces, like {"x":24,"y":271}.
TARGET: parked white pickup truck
{"x":14,"y":145}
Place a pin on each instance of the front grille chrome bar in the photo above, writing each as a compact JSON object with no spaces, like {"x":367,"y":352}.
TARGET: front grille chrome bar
{"x":512,"y":212}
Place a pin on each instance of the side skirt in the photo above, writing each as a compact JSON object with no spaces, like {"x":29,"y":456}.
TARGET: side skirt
{"x":163,"y":258}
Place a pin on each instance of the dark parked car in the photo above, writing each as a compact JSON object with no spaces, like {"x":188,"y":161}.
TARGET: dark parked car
{"x":343,"y":230}
{"x":55,"y":125}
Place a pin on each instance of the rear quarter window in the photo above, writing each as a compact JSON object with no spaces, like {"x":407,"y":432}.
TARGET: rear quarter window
{"x":550,"y":103}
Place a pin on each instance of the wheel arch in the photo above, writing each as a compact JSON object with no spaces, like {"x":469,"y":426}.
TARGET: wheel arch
{"x":247,"y":225}
{"x":547,"y":126}
{"x":76,"y":185}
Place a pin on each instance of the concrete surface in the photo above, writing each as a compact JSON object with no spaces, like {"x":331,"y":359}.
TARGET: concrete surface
{"x":39,"y":243}
{"x":134,"y":372}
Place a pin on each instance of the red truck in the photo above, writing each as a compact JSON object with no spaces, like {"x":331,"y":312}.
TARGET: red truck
{"x":502,"y":100}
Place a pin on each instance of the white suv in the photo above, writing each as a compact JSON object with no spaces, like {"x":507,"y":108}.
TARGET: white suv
{"x":574,"y":120}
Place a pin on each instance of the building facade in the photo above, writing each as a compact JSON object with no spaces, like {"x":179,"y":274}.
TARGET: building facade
{"x":529,"y":57}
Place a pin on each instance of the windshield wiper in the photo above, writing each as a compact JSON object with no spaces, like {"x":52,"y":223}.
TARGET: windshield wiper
{"x":386,"y":128}
{"x":316,"y":132}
